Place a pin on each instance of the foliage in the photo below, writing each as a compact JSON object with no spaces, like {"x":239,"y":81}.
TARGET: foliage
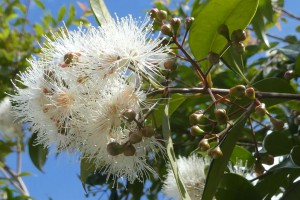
{"x":198,"y":83}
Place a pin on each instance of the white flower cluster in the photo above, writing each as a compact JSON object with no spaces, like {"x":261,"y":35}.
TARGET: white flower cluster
{"x":192,"y":171}
{"x":84,"y":94}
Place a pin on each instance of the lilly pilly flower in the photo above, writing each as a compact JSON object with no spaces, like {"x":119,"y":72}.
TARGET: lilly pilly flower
{"x":82,"y":94}
{"x":116,"y":46}
{"x":113,"y":136}
{"x":192,"y":173}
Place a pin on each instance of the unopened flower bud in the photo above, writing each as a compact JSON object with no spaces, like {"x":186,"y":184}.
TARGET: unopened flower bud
{"x":129,"y":115}
{"x":238,"y":91}
{"x":288,"y":75}
{"x":114,"y":148}
{"x":259,"y":169}
{"x":221,"y":116}
{"x":175,"y":24}
{"x":277,"y":123}
{"x":267,"y":159}
{"x":170,"y":65}
{"x":238,"y":47}
{"x":213,"y":58}
{"x":196,"y":130}
{"x":135,"y":137}
{"x":166,"y":29}
{"x":261,"y":110}
{"x":129,"y":150}
{"x":238,"y":36}
{"x":188,"y":22}
{"x":215,"y":153}
{"x":147,"y":131}
{"x":154,"y":13}
{"x":204,"y":145}
{"x":250,"y":93}
{"x":223,"y":30}
{"x":162,"y":15}
{"x":198,"y":119}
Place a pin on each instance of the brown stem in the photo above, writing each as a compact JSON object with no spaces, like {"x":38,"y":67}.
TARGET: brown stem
{"x":260,"y":95}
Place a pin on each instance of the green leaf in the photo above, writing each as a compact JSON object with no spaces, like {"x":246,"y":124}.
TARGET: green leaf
{"x":37,"y":152}
{"x":291,"y":51}
{"x":218,"y":166}
{"x":171,"y":154}
{"x":273,"y":85}
{"x":278,"y":143}
{"x":297,"y":65}
{"x":100,"y":11}
{"x":259,"y":27}
{"x":175,"y":102}
{"x":240,"y":153}
{"x":71,"y":15}
{"x":235,"y":187}
{"x":39,"y":29}
{"x":292,"y":193}
{"x":40,"y":4}
{"x":204,"y":36}
{"x":87,"y":167}
{"x":61,"y":13}
{"x":295,"y":155}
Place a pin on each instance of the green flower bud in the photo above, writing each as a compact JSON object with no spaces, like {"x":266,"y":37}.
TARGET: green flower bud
{"x":213,"y":58}
{"x":129,"y":150}
{"x":238,"y":36}
{"x":223,"y":30}
{"x":261,"y":110}
{"x":267,"y":159}
{"x":114,"y":148}
{"x":147,"y":131}
{"x":215,"y":153}
{"x":288,"y":75}
{"x":170,"y":65}
{"x":188,"y":22}
{"x":250,"y":93}
{"x":221,"y":116}
{"x":135,"y":137}
{"x":238,"y":91}
{"x":166,"y":29}
{"x":204,"y":145}
{"x":162,"y":15}
{"x":129,"y":115}
{"x":154,"y":13}
{"x":175,"y":24}
{"x":238,"y":47}
{"x":198,"y":119}
{"x":196,"y":130}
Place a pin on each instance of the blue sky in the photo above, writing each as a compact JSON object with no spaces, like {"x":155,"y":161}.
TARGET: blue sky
{"x":60,"y":178}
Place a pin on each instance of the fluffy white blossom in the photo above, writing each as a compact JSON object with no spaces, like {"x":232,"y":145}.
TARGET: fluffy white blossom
{"x":8,"y":126}
{"x":192,"y":173}
{"x":77,"y":93}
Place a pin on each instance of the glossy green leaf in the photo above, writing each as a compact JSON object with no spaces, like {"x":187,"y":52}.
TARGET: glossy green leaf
{"x":273,"y":85}
{"x":204,"y":36}
{"x":37,"y":152}
{"x":100,"y":11}
{"x":295,"y":155}
{"x":175,"y":102}
{"x":61,"y":13}
{"x":40,"y":4}
{"x":259,"y":27}
{"x":297,"y":65}
{"x":171,"y":154}
{"x":240,"y":153}
{"x":87,"y":167}
{"x":235,"y":187}
{"x":292,"y":193}
{"x":218,"y":166}
{"x":278,"y":143}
